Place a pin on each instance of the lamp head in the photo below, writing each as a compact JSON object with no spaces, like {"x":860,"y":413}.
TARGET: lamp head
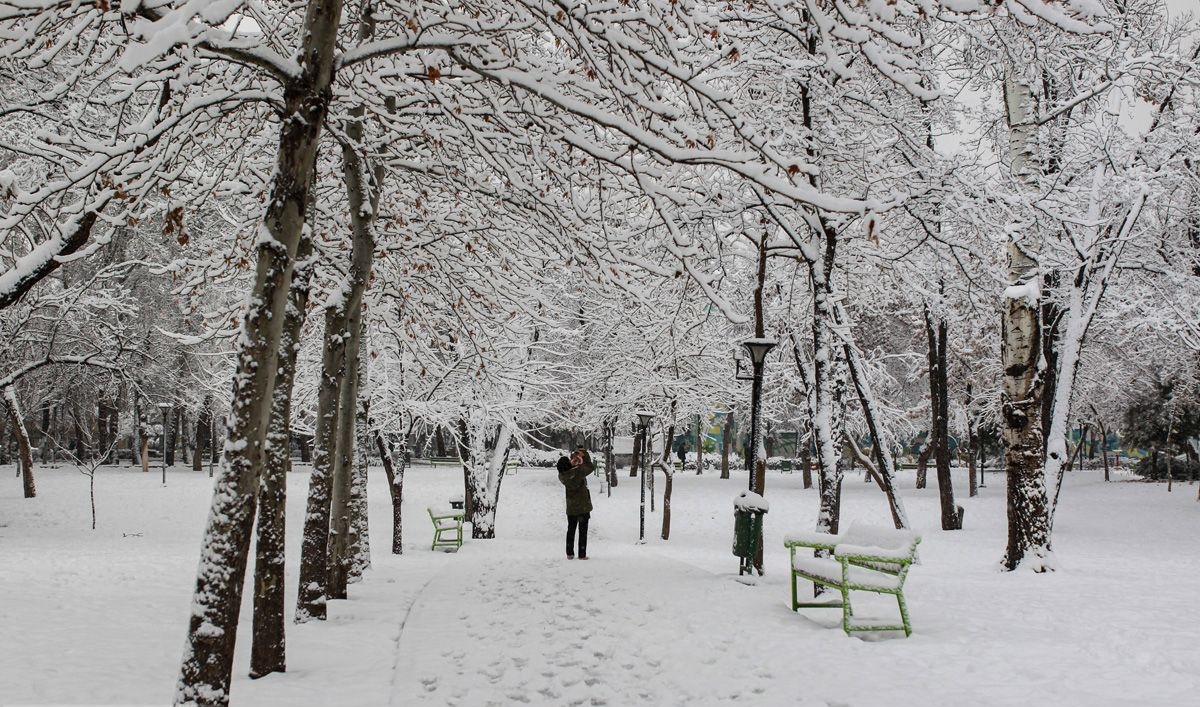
{"x":758,"y":349}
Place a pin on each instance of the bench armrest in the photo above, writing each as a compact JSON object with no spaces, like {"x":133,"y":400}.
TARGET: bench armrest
{"x":871,"y":552}
{"x":814,"y":540}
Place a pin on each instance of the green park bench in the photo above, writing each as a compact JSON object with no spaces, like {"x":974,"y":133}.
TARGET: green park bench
{"x":444,"y":461}
{"x":447,"y":527}
{"x":862,"y":559}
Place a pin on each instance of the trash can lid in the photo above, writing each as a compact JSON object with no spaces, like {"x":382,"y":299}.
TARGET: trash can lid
{"x":750,"y":502}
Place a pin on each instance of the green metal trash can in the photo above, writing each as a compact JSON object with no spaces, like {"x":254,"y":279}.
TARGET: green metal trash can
{"x":748,"y":510}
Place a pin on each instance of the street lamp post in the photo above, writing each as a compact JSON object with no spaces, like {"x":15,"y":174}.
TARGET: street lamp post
{"x":644,"y":418}
{"x":164,"y":407}
{"x":758,"y":349}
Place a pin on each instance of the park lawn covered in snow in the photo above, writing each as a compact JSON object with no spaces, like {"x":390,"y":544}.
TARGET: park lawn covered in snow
{"x":99,"y":617}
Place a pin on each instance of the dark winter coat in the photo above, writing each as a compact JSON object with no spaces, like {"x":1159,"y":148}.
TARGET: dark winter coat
{"x":579,"y":499}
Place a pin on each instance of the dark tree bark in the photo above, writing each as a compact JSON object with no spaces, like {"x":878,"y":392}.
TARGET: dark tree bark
{"x":203,"y":433}
{"x":1104,"y":449}
{"x":667,"y":487}
{"x":699,"y":448}
{"x":169,"y":425}
{"x":726,"y":443}
{"x":314,"y":553}
{"x":360,"y":534}
{"x":46,"y":441}
{"x":6,"y":444}
{"x":102,"y":429}
{"x":610,"y":461}
{"x":215,"y":449}
{"x":208,"y":658}
{"x":82,"y":453}
{"x":940,"y":399}
{"x":668,"y":471}
{"x":393,"y":466}
{"x":24,"y":449}
{"x":1052,"y":315}
{"x":440,"y":442}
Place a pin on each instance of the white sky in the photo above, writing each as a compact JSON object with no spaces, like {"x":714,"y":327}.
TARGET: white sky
{"x":1176,"y":7}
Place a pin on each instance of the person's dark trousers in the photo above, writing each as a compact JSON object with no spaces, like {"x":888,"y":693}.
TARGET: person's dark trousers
{"x":581,"y":522}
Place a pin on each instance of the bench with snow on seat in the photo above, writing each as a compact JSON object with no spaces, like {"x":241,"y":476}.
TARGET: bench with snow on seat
{"x":447,"y":527}
{"x":443,"y":461}
{"x":864,"y":558}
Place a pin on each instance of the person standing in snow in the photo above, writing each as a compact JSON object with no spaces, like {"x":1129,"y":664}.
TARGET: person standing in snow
{"x":573,"y":473}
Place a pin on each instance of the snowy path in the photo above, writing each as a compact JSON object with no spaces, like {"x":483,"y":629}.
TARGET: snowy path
{"x":634,"y":628}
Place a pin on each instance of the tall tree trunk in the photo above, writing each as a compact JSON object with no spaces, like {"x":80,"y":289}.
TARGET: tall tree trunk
{"x":360,"y":536}
{"x":648,"y":450}
{"x":668,"y":471}
{"x":1051,"y":322}
{"x":362,"y":194}
{"x":82,"y":453}
{"x":203,"y":433}
{"x":215,"y":449}
{"x":440,"y":442}
{"x":207,"y":663}
{"x":393,"y":466}
{"x":305,"y":442}
{"x":314,"y":553}
{"x":666,"y":522}
{"x":1104,"y":449}
{"x":45,"y":441}
{"x":102,"y":430}
{"x":267,"y":654}
{"x":6,"y":445}
{"x":1028,"y":511}
{"x":828,"y":386}
{"x":170,"y":422}
{"x":181,"y":434}
{"x":483,"y":447}
{"x":24,"y":449}
{"x":923,"y":459}
{"x":1021,"y":366}
{"x":699,"y":446}
{"x":610,"y":460}
{"x":940,"y":398}
{"x":973,"y":445}
{"x":144,"y":441}
{"x":972,"y":455}
{"x":726,"y":443}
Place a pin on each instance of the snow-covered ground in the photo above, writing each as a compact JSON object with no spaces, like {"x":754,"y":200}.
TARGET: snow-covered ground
{"x":98,"y":617}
